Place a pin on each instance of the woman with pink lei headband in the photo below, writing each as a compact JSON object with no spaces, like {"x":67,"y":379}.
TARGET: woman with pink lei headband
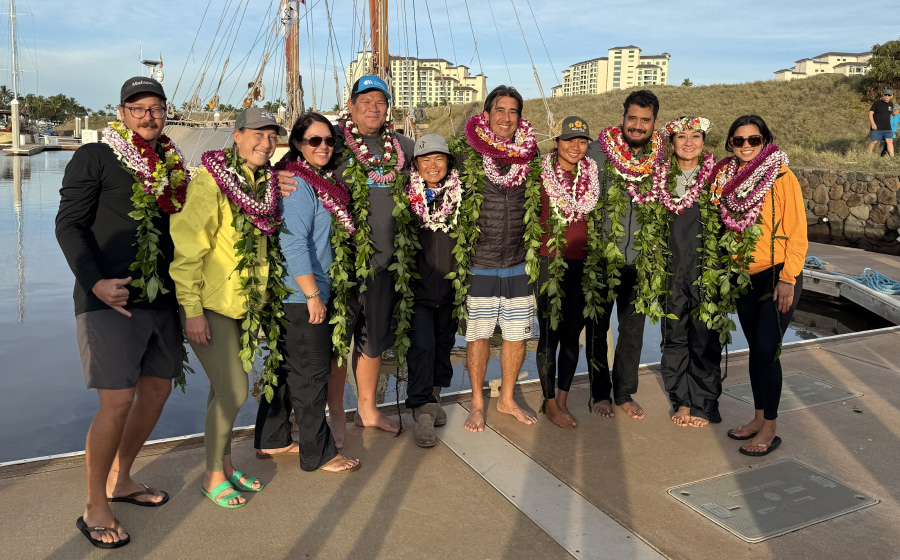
{"x":571,"y":189}
{"x":691,"y":351}
{"x":761,"y":200}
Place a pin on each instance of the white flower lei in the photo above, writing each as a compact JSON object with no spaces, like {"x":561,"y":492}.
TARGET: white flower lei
{"x":570,"y":204}
{"x":444,"y":217}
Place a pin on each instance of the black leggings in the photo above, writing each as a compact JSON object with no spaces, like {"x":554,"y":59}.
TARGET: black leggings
{"x":565,"y":337}
{"x":432,"y":334}
{"x":760,"y":321}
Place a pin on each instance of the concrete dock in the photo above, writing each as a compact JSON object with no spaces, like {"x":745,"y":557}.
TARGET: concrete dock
{"x":516,"y":491}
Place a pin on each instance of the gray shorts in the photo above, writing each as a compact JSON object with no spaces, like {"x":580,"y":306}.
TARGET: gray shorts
{"x":116,"y":350}
{"x":372,"y":324}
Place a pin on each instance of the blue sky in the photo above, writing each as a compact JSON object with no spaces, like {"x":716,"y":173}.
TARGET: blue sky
{"x":86,"y":49}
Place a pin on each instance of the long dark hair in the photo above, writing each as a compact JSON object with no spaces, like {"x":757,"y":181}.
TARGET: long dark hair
{"x":745,"y":120}
{"x":303,"y":122}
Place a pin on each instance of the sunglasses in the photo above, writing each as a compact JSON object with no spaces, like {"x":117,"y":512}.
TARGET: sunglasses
{"x":316,"y":141}
{"x":752,"y":141}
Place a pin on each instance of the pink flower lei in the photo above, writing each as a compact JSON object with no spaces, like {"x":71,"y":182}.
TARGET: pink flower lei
{"x":332,"y":193}
{"x":263,"y":213}
{"x":444,"y":217}
{"x":692,"y":190}
{"x":627,"y":165}
{"x":570,"y":203}
{"x":517,"y":153}
{"x":744,"y":190}
{"x":390,"y":146}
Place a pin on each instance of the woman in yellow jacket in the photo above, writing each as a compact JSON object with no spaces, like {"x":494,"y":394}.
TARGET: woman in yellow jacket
{"x":761,"y":199}
{"x":227,"y":272}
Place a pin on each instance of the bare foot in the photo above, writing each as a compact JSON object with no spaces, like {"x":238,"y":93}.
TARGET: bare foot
{"x":747,"y":430}
{"x":763,"y":438}
{"x":604,"y":409}
{"x":515,"y":410}
{"x":338,"y":430}
{"x":696,"y":422}
{"x":475,"y":421}
{"x":377,"y":420}
{"x":559,"y":416}
{"x":340,"y":463}
{"x":127,"y":487}
{"x":96,"y":518}
{"x":292,"y":448}
{"x":633,"y":409}
{"x":682,"y":416}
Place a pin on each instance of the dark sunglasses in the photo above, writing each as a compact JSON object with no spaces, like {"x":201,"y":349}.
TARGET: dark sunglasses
{"x":752,"y":141}
{"x":315,"y":141}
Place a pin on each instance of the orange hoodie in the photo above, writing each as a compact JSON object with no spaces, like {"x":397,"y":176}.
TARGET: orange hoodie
{"x":790,"y":215}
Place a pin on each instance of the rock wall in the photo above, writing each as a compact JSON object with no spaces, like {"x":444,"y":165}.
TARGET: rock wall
{"x":852,"y":209}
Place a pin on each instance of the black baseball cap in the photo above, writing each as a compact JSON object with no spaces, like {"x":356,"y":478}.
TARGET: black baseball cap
{"x":140,"y":84}
{"x":574,"y":127}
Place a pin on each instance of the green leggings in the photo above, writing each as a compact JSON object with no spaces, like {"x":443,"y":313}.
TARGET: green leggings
{"x":227,"y":384}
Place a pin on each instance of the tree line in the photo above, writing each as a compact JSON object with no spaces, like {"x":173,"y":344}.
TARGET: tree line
{"x":56,"y":108}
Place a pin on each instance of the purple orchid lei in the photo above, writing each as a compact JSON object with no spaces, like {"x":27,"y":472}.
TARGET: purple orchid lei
{"x":744,"y":190}
{"x":355,"y":141}
{"x":570,"y":202}
{"x":334,"y":195}
{"x":262,"y":213}
{"x":692,"y":191}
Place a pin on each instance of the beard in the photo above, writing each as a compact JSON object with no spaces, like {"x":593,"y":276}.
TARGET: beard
{"x":634,"y":142}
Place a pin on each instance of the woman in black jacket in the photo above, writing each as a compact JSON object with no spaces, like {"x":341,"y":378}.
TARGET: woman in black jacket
{"x":434,"y":192}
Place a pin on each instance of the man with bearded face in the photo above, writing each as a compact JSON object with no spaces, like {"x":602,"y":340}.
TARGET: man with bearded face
{"x":130,"y":340}
{"x":624,"y":156}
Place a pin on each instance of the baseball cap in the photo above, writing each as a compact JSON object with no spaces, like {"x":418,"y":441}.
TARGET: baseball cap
{"x":140,"y":84}
{"x":430,"y":144}
{"x":256,"y":118}
{"x":574,"y":127}
{"x":888,"y":92}
{"x":370,"y":82}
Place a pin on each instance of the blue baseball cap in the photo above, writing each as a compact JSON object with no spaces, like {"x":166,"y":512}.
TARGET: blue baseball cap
{"x":370,"y":82}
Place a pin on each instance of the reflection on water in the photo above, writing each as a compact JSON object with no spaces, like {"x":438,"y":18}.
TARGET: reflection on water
{"x":45,"y":408}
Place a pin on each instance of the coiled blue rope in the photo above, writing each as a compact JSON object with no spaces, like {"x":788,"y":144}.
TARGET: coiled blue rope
{"x":869,"y":278}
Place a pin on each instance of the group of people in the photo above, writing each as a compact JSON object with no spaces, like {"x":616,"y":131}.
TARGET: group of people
{"x":360,"y":235}
{"x":884,"y":118}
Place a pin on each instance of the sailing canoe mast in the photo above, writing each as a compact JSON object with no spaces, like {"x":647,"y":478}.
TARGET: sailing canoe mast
{"x":378,"y":20}
{"x":293,"y":80}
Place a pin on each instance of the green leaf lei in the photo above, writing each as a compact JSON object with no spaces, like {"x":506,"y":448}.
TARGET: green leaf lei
{"x":467,"y":231}
{"x":343,"y":278}
{"x":262,"y":311}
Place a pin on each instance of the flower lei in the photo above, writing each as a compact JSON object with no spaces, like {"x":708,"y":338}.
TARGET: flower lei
{"x":335,"y":198}
{"x":744,"y":190}
{"x":253,"y":217}
{"x":517,"y":153}
{"x":665,"y":179}
{"x":444,"y":217}
{"x":406,"y":241}
{"x":624,"y":173}
{"x":160,"y":184}
{"x":570,"y":202}
{"x":474,"y":172}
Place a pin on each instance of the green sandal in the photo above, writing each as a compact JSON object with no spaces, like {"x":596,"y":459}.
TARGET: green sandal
{"x":223,"y":501}
{"x":235,"y":481}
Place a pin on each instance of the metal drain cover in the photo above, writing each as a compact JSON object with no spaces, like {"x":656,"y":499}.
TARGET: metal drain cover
{"x":799,"y":391}
{"x":769,"y":501}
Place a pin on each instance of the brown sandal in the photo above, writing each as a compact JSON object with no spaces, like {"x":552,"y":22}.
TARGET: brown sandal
{"x":86,"y":531}
{"x":147,"y":491}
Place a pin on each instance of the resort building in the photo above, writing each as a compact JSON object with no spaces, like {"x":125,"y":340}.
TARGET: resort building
{"x":421,"y":81}
{"x":623,"y":67}
{"x":848,"y":64}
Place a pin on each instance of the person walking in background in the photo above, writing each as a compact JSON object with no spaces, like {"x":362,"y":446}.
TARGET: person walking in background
{"x":895,"y":124}
{"x":880,"y":121}
{"x":127,"y":322}
{"x":434,"y":192}
{"x":310,"y":218}
{"x":571,"y":189}
{"x":757,"y":190}
{"x":228,"y":279}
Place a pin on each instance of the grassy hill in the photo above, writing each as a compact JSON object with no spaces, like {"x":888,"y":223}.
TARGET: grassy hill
{"x":820,"y":121}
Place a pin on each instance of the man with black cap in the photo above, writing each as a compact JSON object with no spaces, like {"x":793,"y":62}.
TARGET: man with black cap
{"x":880,"y":120}
{"x":127,"y":322}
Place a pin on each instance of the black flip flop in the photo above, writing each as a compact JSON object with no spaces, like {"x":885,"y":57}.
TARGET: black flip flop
{"x":739,"y":438}
{"x":86,"y":531}
{"x":147,"y":491}
{"x":776,"y":441}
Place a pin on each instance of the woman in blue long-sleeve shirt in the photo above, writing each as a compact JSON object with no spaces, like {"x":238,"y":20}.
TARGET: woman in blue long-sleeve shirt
{"x":310,"y":217}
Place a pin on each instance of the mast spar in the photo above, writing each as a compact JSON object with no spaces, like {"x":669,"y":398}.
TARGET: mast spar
{"x":378,"y":19}
{"x":293,"y":80}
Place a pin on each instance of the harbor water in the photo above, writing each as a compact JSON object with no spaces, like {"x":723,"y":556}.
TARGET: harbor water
{"x":45,"y":408}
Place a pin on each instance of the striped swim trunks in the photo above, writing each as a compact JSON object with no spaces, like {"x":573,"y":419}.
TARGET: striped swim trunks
{"x":500,"y":296}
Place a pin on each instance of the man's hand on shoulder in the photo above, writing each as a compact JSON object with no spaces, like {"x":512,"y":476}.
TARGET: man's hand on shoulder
{"x":286,"y":183}
{"x":113,"y":292}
